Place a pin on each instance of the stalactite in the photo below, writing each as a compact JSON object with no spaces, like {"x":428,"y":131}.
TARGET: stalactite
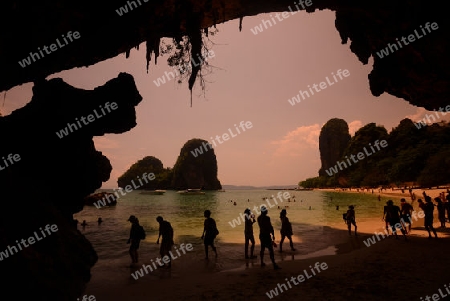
{"x":148,"y":53}
{"x":156,"y":49}
{"x":240,"y":23}
{"x":127,"y":53}
{"x":195,"y":39}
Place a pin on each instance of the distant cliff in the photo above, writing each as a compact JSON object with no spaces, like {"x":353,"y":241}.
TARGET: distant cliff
{"x":333,"y":140}
{"x":195,"y":169}
{"x":161,"y":180}
{"x":412,"y":154}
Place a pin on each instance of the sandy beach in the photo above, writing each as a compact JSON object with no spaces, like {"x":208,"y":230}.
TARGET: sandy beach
{"x":390,"y":269}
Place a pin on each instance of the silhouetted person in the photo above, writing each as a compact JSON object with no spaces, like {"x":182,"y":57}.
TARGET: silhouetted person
{"x":429,"y":211}
{"x":393,"y":213}
{"x":406,"y":213}
{"x":286,"y":230}
{"x":135,"y":239}
{"x":386,"y":218}
{"x":166,"y":231}
{"x":350,"y":219}
{"x":441,"y":211}
{"x":84,"y":224}
{"x":265,"y":230}
{"x":248,"y":232}
{"x":99,"y":221}
{"x":209,"y":232}
{"x":447,"y":205}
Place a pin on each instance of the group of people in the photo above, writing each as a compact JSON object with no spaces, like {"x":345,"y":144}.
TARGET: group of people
{"x":395,"y":217}
{"x":400,"y":217}
{"x":210,"y":232}
{"x":266,"y":234}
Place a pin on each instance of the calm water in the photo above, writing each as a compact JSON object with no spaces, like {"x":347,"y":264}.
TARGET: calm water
{"x":185,"y":213}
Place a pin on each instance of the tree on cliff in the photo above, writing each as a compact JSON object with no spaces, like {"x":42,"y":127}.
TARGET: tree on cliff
{"x":194,"y":169}
{"x":333,"y":140}
{"x":149,"y":164}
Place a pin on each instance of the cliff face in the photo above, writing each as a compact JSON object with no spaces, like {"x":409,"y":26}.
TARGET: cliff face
{"x":195,"y":169}
{"x":417,"y":72}
{"x":333,"y":140}
{"x":53,"y":164}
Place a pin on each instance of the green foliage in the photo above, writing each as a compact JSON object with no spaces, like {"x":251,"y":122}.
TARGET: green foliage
{"x":414,"y":155}
{"x":150,"y":164}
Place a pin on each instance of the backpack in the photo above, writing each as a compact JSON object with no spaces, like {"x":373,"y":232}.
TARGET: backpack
{"x":216,"y":231}
{"x":141,"y":232}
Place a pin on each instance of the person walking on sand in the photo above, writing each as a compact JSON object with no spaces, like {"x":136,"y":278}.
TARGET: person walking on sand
{"x":209,"y":233}
{"x":286,"y":230}
{"x":428,"y":222}
{"x":393,"y":214}
{"x":441,"y":211}
{"x":135,"y":239}
{"x":350,"y":218}
{"x":166,"y":231}
{"x":248,"y":232}
{"x":265,"y":230}
{"x":406,"y":213}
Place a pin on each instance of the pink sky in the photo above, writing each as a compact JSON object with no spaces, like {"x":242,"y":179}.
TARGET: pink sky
{"x":255,"y":75}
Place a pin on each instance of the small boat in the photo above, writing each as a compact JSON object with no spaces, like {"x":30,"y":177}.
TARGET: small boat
{"x":221,"y":190}
{"x":191,"y":191}
{"x":101,"y":199}
{"x":154,"y":192}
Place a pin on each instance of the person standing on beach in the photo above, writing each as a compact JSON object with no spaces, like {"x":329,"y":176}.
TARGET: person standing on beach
{"x":429,"y":211}
{"x":393,"y":214}
{"x":447,"y":205}
{"x":386,"y":218}
{"x":286,"y":230}
{"x":135,"y":239}
{"x":248,"y":233}
{"x":350,"y":219}
{"x":166,"y":231}
{"x":406,"y":213}
{"x":265,"y":230}
{"x":209,"y":232}
{"x":441,"y":211}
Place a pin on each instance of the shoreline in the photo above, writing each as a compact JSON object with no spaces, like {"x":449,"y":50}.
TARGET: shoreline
{"x":355,"y":270}
{"x":389,"y":193}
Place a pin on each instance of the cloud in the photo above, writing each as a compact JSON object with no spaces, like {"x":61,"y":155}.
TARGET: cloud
{"x":420,"y":113}
{"x":354,"y":126}
{"x":295,"y":142}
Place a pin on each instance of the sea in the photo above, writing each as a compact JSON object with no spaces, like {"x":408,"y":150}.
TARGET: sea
{"x":310,"y":212}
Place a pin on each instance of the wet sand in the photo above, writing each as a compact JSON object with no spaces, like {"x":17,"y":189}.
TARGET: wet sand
{"x":388,"y":270}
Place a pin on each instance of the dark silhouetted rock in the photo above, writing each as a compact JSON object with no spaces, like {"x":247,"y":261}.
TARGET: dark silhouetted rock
{"x":50,"y":181}
{"x":333,"y":139}
{"x":194,"y":169}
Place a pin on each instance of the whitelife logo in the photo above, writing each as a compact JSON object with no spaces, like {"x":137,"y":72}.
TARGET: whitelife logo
{"x":284,"y":15}
{"x":225,"y":137}
{"x":323,"y":85}
{"x":334,"y":169}
{"x":53,"y":47}
{"x":90,"y":118}
{"x":11,"y":250}
{"x":411,"y":38}
{"x":102,"y":202}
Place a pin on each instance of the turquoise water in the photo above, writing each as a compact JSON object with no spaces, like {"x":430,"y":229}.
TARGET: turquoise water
{"x":185,"y":213}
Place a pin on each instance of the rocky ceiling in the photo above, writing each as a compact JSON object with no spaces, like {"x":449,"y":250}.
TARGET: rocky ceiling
{"x":417,"y":72}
